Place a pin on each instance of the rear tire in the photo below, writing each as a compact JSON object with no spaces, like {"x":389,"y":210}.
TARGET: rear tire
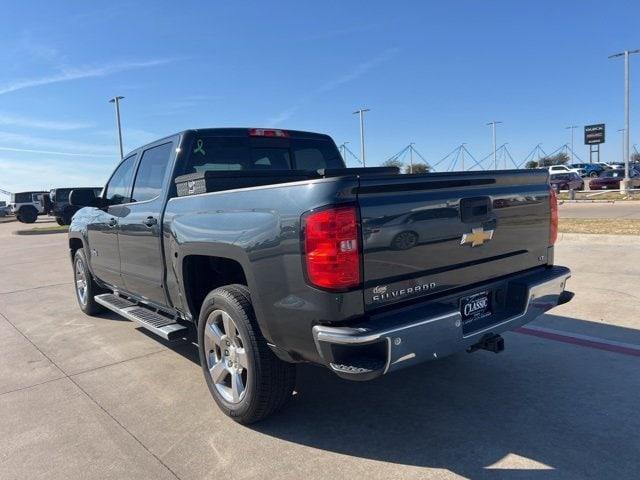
{"x":245,"y":378}
{"x":593,"y":174}
{"x":85,"y":286}
{"x":60,"y":221}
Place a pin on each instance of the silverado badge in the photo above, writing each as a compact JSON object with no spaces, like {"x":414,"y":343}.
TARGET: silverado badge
{"x":477,"y":237}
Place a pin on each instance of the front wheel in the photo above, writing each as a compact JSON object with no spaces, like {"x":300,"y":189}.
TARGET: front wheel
{"x":245,"y":378}
{"x":593,"y":174}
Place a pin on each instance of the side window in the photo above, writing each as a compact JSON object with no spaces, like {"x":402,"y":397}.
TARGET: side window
{"x":117,"y":191}
{"x":153,"y":166}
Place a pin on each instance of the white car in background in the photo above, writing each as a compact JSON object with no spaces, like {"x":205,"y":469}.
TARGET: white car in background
{"x":565,"y":169}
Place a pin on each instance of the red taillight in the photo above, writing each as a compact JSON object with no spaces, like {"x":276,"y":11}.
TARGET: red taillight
{"x":265,"y":132}
{"x":553,"y":207}
{"x":331,"y":244}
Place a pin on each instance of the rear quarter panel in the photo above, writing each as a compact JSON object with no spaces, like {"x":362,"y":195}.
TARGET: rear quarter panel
{"x":260,"y":228}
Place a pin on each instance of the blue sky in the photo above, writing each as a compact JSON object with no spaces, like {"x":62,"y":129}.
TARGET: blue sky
{"x":433,"y":73}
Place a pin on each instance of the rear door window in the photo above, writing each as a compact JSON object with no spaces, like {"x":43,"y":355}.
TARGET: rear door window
{"x":151,"y":172}
{"x":119,"y":187}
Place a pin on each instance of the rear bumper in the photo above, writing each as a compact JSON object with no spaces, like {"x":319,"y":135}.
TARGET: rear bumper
{"x":416,"y":334}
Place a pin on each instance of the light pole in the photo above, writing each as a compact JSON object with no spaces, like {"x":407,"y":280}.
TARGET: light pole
{"x":622,"y":130}
{"x":116,"y":100}
{"x":572,"y":128}
{"x":624,"y":185}
{"x":495,"y":156}
{"x":360,"y":112}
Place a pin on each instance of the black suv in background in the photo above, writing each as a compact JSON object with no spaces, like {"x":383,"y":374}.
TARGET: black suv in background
{"x":57,"y":203}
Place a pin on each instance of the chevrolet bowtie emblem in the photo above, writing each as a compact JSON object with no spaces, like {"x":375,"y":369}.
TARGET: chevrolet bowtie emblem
{"x":477,"y":237}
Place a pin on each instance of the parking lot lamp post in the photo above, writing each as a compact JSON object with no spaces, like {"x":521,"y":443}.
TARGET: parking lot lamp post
{"x":116,"y":100}
{"x":572,"y":128}
{"x":493,"y":129}
{"x":360,"y":112}
{"x":622,"y":130}
{"x":624,"y":185}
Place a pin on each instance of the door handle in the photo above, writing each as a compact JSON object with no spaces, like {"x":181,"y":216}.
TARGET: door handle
{"x":150,"y":221}
{"x":112,"y":222}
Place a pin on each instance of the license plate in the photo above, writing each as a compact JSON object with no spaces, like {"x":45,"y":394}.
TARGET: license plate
{"x":475,"y":307}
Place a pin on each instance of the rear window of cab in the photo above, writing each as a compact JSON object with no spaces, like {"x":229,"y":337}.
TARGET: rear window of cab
{"x":215,"y":153}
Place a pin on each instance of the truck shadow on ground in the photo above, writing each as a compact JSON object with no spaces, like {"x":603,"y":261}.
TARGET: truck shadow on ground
{"x":541,"y":409}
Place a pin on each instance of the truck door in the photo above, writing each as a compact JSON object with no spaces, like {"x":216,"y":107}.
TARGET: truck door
{"x":102,"y":231}
{"x":141,"y":258}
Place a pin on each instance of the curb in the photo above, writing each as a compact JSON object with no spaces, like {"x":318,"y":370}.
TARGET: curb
{"x":592,"y":201}
{"x":38,"y":232}
{"x":593,"y":238}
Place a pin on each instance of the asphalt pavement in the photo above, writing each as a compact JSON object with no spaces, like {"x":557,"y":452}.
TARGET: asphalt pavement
{"x":96,"y":397}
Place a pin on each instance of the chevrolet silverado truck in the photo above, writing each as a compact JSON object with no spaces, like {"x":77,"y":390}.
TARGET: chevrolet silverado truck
{"x":263,"y":246}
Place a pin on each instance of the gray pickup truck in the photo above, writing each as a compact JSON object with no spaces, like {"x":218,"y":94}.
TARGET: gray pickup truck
{"x":263,"y":245}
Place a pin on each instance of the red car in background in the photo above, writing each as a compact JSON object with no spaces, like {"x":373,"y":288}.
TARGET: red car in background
{"x":610,"y":180}
{"x":566,"y":181}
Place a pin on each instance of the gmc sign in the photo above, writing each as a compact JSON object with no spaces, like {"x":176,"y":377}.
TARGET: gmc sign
{"x":594,"y":134}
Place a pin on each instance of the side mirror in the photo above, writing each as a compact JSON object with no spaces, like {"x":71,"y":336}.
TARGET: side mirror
{"x":84,"y":197}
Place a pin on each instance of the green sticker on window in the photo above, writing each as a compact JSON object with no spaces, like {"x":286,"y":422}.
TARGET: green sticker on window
{"x":199,"y":148}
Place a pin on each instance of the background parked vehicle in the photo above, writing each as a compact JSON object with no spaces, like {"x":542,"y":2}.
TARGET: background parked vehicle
{"x":592,"y":170}
{"x":606,"y":165}
{"x":4,"y":210}
{"x":563,"y":169}
{"x":610,"y":180}
{"x":57,"y":203}
{"x":566,"y":181}
{"x":26,"y":206}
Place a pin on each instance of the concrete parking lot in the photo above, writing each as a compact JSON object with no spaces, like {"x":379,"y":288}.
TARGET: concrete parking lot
{"x":96,"y":397}
{"x":626,"y":210}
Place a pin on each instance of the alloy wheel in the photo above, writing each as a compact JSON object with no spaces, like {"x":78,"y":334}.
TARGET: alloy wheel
{"x":81,"y":282}
{"x":226,"y":356}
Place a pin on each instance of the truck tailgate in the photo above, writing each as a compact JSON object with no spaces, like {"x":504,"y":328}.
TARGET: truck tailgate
{"x":426,"y":234}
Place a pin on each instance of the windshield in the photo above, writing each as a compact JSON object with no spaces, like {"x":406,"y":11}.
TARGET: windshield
{"x":242,"y":153}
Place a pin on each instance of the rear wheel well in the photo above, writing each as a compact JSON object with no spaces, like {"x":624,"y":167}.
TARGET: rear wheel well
{"x":202,"y":274}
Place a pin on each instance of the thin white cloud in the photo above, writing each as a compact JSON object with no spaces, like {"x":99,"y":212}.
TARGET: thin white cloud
{"x":68,"y":74}
{"x":354,"y":74}
{"x":16,"y":142}
{"x":19,"y":121}
{"x":358,"y":71}
{"x":50,"y":152}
